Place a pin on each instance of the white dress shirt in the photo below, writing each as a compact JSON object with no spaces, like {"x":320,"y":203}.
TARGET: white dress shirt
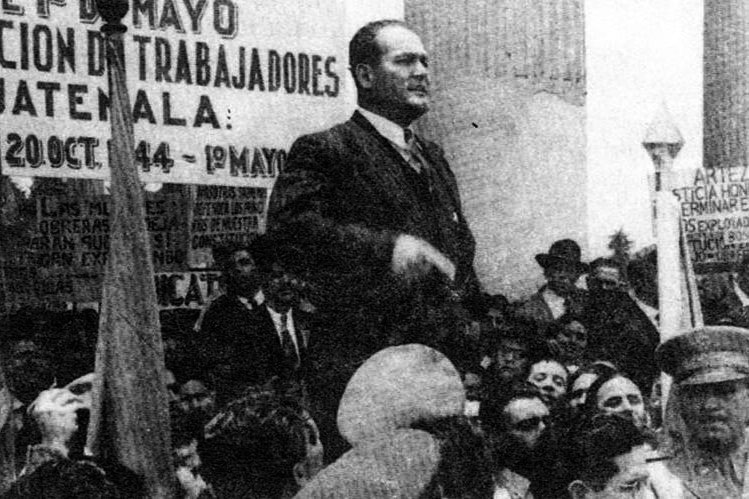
{"x":740,"y":293}
{"x":289,"y":326}
{"x":554,"y":302}
{"x":391,"y":131}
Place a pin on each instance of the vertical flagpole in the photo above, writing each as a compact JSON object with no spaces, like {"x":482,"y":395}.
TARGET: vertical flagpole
{"x":7,"y":436}
{"x":130,"y":413}
{"x":663,"y":141}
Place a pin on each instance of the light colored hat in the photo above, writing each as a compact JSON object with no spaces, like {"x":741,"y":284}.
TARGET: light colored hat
{"x":397,"y":387}
{"x":398,"y":466}
{"x":709,"y":354}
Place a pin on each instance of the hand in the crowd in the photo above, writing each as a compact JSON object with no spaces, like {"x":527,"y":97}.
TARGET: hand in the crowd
{"x":413,"y":257}
{"x":192,"y":483}
{"x":54,"y":412}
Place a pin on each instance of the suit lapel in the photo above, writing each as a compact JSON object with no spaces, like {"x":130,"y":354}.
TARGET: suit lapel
{"x":440,"y":169}
{"x":397,"y":164}
{"x":385,"y":167}
{"x":301,"y":332}
{"x":301,"y":329}
{"x":383,"y":144}
{"x":268,"y":332}
{"x":543,"y":307}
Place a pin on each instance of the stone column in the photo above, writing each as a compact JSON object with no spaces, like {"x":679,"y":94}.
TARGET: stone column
{"x":726,"y":83}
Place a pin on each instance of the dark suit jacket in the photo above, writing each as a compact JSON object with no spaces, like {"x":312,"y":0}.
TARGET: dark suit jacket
{"x":620,"y":332}
{"x":536,"y":313}
{"x":720,"y":303}
{"x":345,"y":194}
{"x":240,"y":347}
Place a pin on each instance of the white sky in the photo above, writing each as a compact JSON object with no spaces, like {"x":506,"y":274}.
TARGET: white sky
{"x":640,"y":54}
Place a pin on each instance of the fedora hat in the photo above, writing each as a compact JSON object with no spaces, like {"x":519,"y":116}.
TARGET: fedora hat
{"x":397,"y":387}
{"x":563,"y":253}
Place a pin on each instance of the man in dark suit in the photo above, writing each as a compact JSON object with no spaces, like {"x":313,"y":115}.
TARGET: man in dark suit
{"x":619,"y":331}
{"x":249,"y":341}
{"x":367,"y":202}
{"x":373,"y":214}
{"x":725,"y":296}
{"x":560,"y":296}
{"x":223,"y":327}
{"x":280,"y":326}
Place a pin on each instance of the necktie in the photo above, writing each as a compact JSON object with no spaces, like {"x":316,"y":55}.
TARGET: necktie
{"x":415,"y":158}
{"x":287,"y":344}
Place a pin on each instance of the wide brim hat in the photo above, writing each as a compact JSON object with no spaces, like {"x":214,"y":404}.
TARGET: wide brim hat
{"x":563,"y":253}
{"x":396,"y":387}
{"x":399,"y":465}
{"x":710,"y":354}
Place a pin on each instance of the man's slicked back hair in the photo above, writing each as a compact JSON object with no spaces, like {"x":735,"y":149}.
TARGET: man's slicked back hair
{"x":492,"y":411}
{"x":596,"y":444}
{"x":363,"y":48}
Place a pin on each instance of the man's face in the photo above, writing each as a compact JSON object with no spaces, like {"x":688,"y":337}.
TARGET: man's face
{"x":282,"y":290}
{"x":527,"y":420}
{"x":511,"y":358}
{"x":572,"y":340}
{"x":632,"y":480}
{"x":399,"y":84}
{"x":605,"y":278}
{"x":620,"y":395}
{"x":551,"y":378}
{"x":561,"y":280}
{"x":716,"y":414}
{"x":242,"y":277}
{"x":580,"y":389}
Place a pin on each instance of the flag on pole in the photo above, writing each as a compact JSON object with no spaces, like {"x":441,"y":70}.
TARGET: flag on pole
{"x":678,"y":299}
{"x":679,"y":304}
{"x":130,"y":413}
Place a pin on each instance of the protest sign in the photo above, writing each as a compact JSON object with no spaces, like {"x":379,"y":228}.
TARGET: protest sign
{"x":219,"y":88}
{"x":714,"y":206}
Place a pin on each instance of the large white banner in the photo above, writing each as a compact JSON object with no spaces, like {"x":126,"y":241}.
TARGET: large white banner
{"x":219,"y":88}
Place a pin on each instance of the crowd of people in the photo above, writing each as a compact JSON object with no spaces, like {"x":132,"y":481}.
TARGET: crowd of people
{"x":553,"y":396}
{"x":352,"y":352}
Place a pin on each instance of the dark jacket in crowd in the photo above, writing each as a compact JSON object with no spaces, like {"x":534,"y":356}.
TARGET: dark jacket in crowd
{"x":240,"y":346}
{"x":620,"y":332}
{"x":344,"y":197}
{"x":536,"y":313}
